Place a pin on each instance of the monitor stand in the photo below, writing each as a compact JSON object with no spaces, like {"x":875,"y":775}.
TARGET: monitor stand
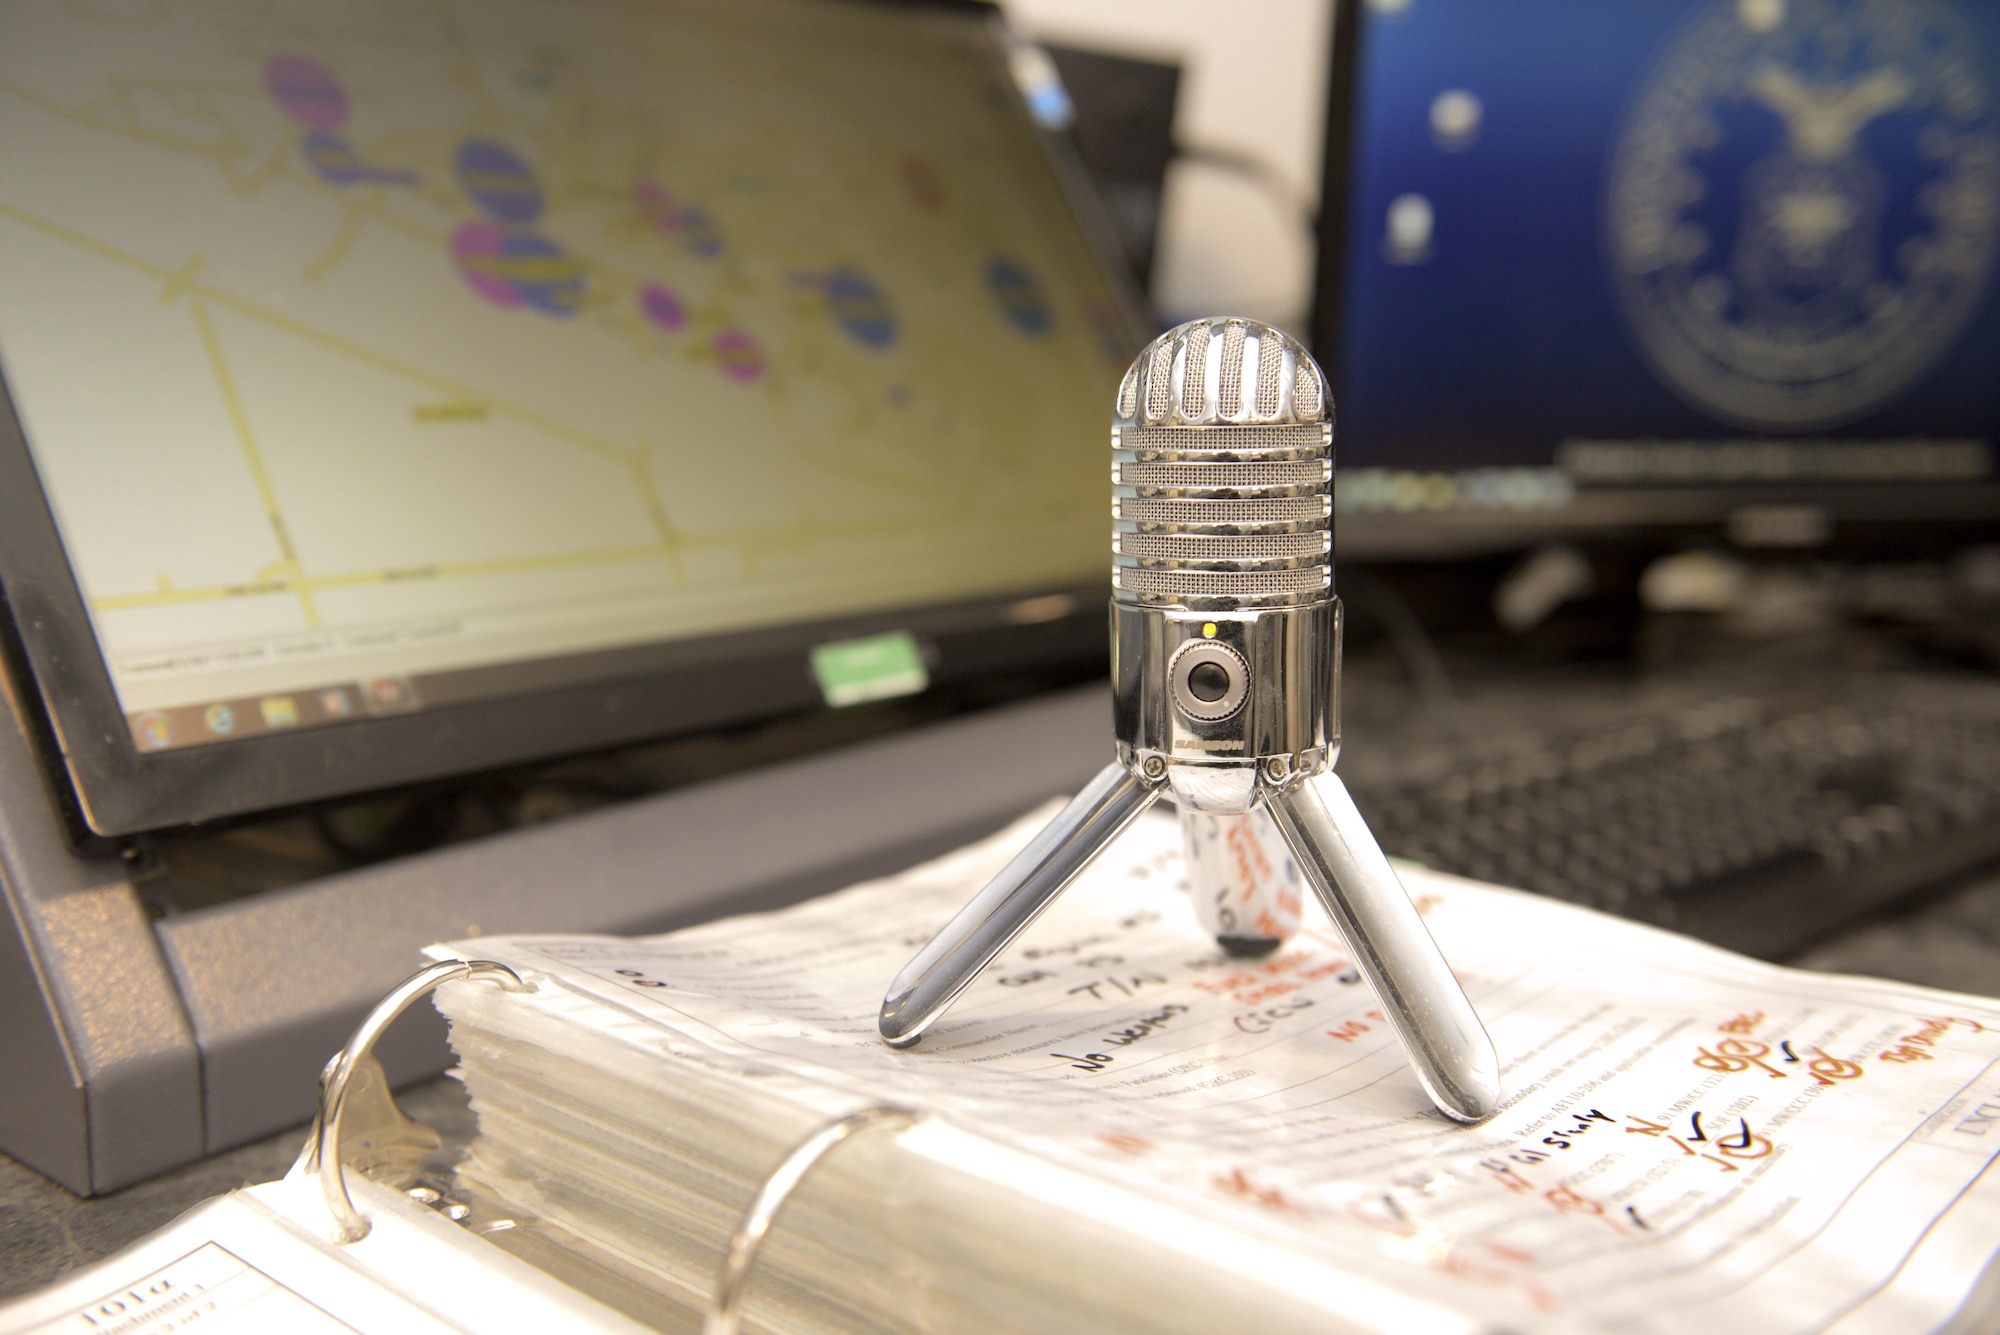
{"x":133,"y":1046}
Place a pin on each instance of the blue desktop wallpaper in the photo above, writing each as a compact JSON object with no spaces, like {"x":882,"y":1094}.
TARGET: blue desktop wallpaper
{"x":1679,"y":219}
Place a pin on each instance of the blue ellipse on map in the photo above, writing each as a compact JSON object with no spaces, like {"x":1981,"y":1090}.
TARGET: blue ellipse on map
{"x":499,"y":182}
{"x":699,"y":232}
{"x":333,"y":158}
{"x":860,"y":307}
{"x":1019,"y":295}
{"x":546,"y":277}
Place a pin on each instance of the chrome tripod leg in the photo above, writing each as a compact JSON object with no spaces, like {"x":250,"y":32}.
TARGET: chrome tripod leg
{"x":929,"y":983}
{"x":1448,"y":1046}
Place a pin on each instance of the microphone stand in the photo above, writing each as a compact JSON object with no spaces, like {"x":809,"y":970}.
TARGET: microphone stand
{"x":1340,"y":859}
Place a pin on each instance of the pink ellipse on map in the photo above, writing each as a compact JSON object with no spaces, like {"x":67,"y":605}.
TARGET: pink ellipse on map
{"x":656,"y":205}
{"x":477,"y":247}
{"x":663,"y":307}
{"x":306,"y":91}
{"x":741,"y":357}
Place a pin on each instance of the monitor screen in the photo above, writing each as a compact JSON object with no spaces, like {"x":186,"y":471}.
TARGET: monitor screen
{"x":386,"y":360}
{"x":1667,"y":244}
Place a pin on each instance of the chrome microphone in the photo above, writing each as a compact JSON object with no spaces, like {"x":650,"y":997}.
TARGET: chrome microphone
{"x":1225,"y":643}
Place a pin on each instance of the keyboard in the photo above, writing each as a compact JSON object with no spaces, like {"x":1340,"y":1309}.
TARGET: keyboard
{"x":1757,"y":826}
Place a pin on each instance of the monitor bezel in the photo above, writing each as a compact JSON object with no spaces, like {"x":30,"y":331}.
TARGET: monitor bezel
{"x":1664,"y":514}
{"x":631,"y":695}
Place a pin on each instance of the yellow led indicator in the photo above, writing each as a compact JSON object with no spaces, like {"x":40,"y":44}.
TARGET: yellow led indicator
{"x":1208,"y":631}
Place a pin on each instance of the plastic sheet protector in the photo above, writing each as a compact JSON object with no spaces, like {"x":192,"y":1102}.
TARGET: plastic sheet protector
{"x":1690,"y":1141}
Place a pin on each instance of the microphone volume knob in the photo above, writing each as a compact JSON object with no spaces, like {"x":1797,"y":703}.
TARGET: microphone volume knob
{"x":1209,"y":681}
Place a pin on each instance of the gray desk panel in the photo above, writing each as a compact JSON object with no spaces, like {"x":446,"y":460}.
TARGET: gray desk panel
{"x":95,"y":1048}
{"x":273,"y":984}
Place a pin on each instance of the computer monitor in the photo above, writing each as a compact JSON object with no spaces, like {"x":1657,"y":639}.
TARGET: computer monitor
{"x":402,"y":391}
{"x":1592,"y":266}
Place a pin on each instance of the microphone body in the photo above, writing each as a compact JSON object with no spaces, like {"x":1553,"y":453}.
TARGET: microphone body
{"x":1225,"y":642}
{"x":1225,"y":646}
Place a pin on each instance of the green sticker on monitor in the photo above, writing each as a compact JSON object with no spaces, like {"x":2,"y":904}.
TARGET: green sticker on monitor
{"x":851,"y":672}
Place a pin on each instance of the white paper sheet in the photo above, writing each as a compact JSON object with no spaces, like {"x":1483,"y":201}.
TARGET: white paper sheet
{"x":1691,"y":1141}
{"x":261,"y":1260}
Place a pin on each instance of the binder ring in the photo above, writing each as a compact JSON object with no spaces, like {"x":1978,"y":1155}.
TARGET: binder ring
{"x":746,"y":1243}
{"x":323,"y":1144}
{"x":726,"y":1315}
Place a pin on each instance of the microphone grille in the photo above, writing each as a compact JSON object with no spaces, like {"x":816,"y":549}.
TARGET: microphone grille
{"x":1222,"y":473}
{"x":1229,"y":397}
{"x":1305,"y":391}
{"x":1159,"y":389}
{"x":1194,"y":366}
{"x":1195,"y":375}
{"x":1270,"y":367}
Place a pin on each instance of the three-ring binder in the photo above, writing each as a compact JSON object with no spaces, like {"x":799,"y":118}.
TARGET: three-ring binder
{"x":321,"y":1155}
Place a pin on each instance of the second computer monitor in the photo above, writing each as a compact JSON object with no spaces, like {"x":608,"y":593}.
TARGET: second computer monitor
{"x":1686,"y":252}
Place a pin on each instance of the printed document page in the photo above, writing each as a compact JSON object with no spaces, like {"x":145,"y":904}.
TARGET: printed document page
{"x":1690,"y":1140}
{"x":263,"y":1260}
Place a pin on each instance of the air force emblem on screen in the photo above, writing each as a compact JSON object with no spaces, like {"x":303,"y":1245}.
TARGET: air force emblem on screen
{"x":1804,"y":204}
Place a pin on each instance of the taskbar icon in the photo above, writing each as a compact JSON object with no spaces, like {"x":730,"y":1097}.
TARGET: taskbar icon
{"x":390,"y":695}
{"x":238,"y":718}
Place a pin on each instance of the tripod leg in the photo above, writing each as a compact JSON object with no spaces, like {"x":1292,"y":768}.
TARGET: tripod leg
{"x":1448,"y":1047}
{"x":929,"y":983}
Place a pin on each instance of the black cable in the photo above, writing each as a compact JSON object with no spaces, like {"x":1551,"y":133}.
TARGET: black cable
{"x":1249,"y":165}
{"x":1367,"y":593}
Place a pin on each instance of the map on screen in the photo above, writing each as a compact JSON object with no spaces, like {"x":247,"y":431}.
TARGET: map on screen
{"x":358,"y":345}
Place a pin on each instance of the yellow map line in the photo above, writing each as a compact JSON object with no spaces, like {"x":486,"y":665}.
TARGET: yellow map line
{"x":168,"y":597}
{"x":343,"y":241}
{"x":185,"y":282}
{"x":369,"y":356}
{"x":656,"y":512}
{"x":114,"y":114}
{"x":762,"y":540}
{"x":177,"y":285}
{"x":294,"y":575}
{"x":507,"y":565}
{"x":755,"y":541}
{"x":444,"y":570}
